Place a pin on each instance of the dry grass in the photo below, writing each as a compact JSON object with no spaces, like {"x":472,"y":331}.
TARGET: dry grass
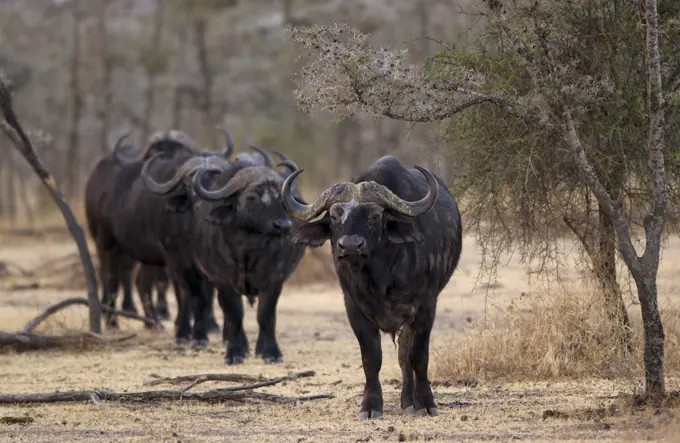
{"x":565,"y":334}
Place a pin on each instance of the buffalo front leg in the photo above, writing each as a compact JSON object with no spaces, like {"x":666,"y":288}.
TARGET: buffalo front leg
{"x":368,"y":336}
{"x":162,"y":309}
{"x":144,"y":285}
{"x":178,"y":297}
{"x":419,"y":357}
{"x":184,"y":301}
{"x":108,"y":273}
{"x":125,"y":275}
{"x":232,"y":306}
{"x":211,"y":321}
{"x":226,"y":327}
{"x":406,"y":372}
{"x":266,"y":345}
{"x":200,"y":306}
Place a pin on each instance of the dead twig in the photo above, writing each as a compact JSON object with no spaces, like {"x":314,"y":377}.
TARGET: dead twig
{"x":30,"y":326}
{"x":270,"y":382}
{"x":183,"y":379}
{"x":192,"y":384}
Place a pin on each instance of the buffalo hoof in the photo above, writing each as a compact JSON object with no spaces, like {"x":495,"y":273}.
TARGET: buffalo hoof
{"x":181,"y":341}
{"x":164,"y":316}
{"x":131,"y":309}
{"x":427,"y":411}
{"x":157,"y":326}
{"x":200,"y":344}
{"x":365,"y":415}
{"x":273,"y":360}
{"x":229,"y":361}
{"x":408,"y":411}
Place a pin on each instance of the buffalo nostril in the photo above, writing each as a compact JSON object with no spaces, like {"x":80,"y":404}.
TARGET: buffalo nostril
{"x":282,"y":224}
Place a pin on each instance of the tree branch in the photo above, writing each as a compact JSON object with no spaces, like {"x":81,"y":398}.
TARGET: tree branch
{"x":655,"y":221}
{"x":613,"y":209}
{"x":15,"y":132}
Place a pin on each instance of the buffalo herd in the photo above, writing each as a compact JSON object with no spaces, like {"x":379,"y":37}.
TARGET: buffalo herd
{"x":215,"y":222}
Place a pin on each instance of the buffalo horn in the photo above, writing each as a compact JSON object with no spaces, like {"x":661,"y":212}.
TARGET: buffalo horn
{"x":363,"y":192}
{"x":286,"y":161}
{"x":291,"y":165}
{"x":175,"y":136}
{"x":268,"y":160}
{"x":229,"y":142}
{"x":239,"y":181}
{"x":337,"y":192}
{"x":189,"y":166}
{"x":118,"y":153}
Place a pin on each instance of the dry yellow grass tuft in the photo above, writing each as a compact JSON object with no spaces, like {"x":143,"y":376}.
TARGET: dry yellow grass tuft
{"x":566,"y":334}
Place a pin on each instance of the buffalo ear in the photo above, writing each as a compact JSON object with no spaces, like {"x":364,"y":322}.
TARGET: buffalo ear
{"x":178,"y":204}
{"x":313,"y":234}
{"x":403,"y":231}
{"x":218,"y":215}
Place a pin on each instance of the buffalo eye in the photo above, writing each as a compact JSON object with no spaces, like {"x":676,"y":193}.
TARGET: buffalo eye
{"x":374,"y":217}
{"x":336,"y":215}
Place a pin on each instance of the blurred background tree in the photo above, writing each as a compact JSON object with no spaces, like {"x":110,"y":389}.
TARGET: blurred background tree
{"x":101,"y":68}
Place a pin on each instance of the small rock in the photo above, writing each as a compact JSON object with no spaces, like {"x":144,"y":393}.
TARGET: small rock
{"x":402,"y":437}
{"x":174,"y":434}
{"x":390,"y":429}
{"x":463,"y":418}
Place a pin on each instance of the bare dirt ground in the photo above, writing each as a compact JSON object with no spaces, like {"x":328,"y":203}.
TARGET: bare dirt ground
{"x":314,"y":334}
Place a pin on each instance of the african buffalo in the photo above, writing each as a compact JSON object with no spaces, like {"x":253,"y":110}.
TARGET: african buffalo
{"x":242,"y":245}
{"x":396,"y":239}
{"x":129,"y":223}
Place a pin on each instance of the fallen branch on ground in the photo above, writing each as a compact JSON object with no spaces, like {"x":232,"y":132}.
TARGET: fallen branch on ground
{"x":23,"y":341}
{"x":212,"y":396}
{"x":31,"y":325}
{"x":202,"y":378}
{"x":184,"y":379}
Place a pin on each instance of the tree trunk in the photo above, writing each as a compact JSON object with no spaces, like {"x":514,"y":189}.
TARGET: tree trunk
{"x":205,"y":101}
{"x":604,"y":263}
{"x":653,"y":332}
{"x":72,"y":166}
{"x":11,"y":193}
{"x":152,"y":73}
{"x":107,"y":72}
